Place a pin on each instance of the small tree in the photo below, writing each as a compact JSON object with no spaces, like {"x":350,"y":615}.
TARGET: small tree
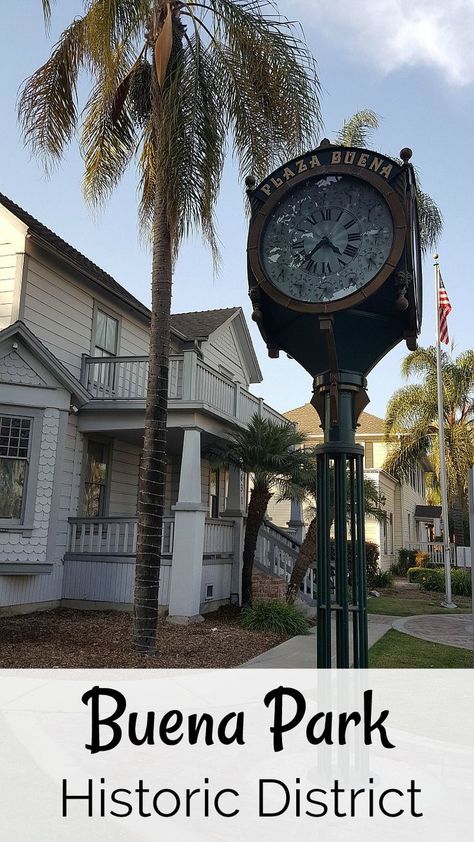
{"x":273,"y":456}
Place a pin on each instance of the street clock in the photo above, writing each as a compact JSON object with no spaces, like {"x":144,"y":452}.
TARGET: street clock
{"x":336,"y":230}
{"x":334,"y":267}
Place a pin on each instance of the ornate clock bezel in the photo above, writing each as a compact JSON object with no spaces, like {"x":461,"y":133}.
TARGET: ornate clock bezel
{"x":260,"y":218}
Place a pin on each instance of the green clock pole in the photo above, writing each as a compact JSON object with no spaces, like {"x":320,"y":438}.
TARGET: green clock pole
{"x":339,"y":398}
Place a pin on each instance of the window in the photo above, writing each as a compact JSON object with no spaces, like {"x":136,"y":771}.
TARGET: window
{"x":106,"y":345}
{"x":15,"y":440}
{"x":95,"y":485}
{"x":385,"y":536}
{"x":391,"y":533}
{"x":106,"y":335}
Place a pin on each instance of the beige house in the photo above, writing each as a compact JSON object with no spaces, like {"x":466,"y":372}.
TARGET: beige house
{"x":404,"y":523}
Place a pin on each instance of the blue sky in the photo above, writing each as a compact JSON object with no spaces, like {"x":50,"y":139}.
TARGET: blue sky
{"x":413,"y":63}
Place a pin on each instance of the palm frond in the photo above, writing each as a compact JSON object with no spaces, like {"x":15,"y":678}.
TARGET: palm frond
{"x":357,"y":130}
{"x":109,"y":138}
{"x":271,"y":84}
{"x":430,"y":219}
{"x":47,"y":107}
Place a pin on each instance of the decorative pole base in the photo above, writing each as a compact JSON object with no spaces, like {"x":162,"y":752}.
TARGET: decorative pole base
{"x":341,"y":565}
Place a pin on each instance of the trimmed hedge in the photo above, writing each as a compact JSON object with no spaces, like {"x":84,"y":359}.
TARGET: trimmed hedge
{"x":432,"y":579}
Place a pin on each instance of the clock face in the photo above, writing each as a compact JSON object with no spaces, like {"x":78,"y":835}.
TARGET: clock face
{"x":326,"y":239}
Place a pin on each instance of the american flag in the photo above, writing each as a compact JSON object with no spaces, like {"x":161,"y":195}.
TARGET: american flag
{"x":444,"y":309}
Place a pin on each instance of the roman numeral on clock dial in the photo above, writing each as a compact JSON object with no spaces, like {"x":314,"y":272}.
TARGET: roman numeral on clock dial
{"x":351,"y":251}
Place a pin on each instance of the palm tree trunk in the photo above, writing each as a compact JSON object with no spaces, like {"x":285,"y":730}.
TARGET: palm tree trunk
{"x":306,"y":557}
{"x":153,"y":467}
{"x":259,"y":500}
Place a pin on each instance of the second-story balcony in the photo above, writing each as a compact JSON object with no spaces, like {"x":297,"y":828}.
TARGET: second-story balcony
{"x":120,"y":382}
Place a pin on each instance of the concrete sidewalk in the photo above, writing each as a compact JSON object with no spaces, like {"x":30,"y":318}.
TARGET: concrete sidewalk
{"x":300,"y":652}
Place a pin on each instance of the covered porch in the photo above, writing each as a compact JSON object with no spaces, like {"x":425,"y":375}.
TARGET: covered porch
{"x":202,"y":528}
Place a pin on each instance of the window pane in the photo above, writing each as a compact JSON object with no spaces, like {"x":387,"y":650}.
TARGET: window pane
{"x":100,"y":329}
{"x":106,"y":333}
{"x":12,"y":487}
{"x":14,"y":436}
{"x":111,"y":335}
{"x":96,"y":479}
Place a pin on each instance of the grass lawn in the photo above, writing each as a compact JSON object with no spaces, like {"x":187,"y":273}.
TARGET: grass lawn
{"x":400,"y":600}
{"x":396,"y":650}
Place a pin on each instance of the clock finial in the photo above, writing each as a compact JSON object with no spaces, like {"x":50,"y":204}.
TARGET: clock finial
{"x":406,"y":154}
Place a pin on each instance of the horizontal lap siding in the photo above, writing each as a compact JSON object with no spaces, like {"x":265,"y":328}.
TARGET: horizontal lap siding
{"x":59,"y":312}
{"x":222,"y":350}
{"x":124,"y":479}
{"x":8,"y":260}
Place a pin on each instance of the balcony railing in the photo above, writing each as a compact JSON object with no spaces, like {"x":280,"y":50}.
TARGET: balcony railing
{"x":190,"y":381}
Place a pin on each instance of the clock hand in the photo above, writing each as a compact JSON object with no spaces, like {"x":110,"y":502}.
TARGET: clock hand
{"x":323,"y":242}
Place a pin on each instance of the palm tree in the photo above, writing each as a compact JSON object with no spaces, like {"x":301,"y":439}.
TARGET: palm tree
{"x":174,"y":81}
{"x":412,"y":423}
{"x":357,"y":131}
{"x":273,"y":456}
{"x":373,"y":505}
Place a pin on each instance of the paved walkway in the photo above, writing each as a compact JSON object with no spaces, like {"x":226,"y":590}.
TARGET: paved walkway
{"x":300,"y":652}
{"x":450,"y":629}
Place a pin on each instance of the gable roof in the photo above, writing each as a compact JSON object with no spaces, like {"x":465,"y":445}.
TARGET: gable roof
{"x":53,"y":241}
{"x":193,"y":326}
{"x":50,"y":362}
{"x":308,"y":421}
{"x":201,"y":323}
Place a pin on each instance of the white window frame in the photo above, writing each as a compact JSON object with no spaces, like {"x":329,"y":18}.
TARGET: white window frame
{"x":26,"y":521}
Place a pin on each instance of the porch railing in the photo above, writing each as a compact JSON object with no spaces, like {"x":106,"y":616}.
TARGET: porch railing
{"x":117,"y":537}
{"x":459,"y":556}
{"x":191,"y":380}
{"x":277,"y":552}
{"x":111,"y":536}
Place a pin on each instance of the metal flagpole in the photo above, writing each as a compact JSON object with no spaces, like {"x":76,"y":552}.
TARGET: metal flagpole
{"x":442,"y":464}
{"x":471,"y":536}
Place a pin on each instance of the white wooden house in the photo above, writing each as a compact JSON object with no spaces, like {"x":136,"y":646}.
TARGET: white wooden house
{"x":73,"y":372}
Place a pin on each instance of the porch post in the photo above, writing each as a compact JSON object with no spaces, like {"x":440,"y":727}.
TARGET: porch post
{"x":236,"y":509}
{"x":190,"y":516}
{"x":296,"y":520}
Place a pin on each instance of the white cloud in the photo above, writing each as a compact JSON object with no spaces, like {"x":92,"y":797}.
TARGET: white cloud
{"x":392,"y":34}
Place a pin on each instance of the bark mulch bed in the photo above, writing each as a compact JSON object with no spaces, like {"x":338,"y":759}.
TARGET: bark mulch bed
{"x":67,"y":638}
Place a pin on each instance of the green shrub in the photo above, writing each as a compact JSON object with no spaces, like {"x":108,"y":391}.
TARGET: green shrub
{"x":274,"y":616}
{"x":432,"y":579}
{"x":382,"y":579}
{"x":371,"y":560}
{"x":406,"y":560}
{"x":372,"y":554}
